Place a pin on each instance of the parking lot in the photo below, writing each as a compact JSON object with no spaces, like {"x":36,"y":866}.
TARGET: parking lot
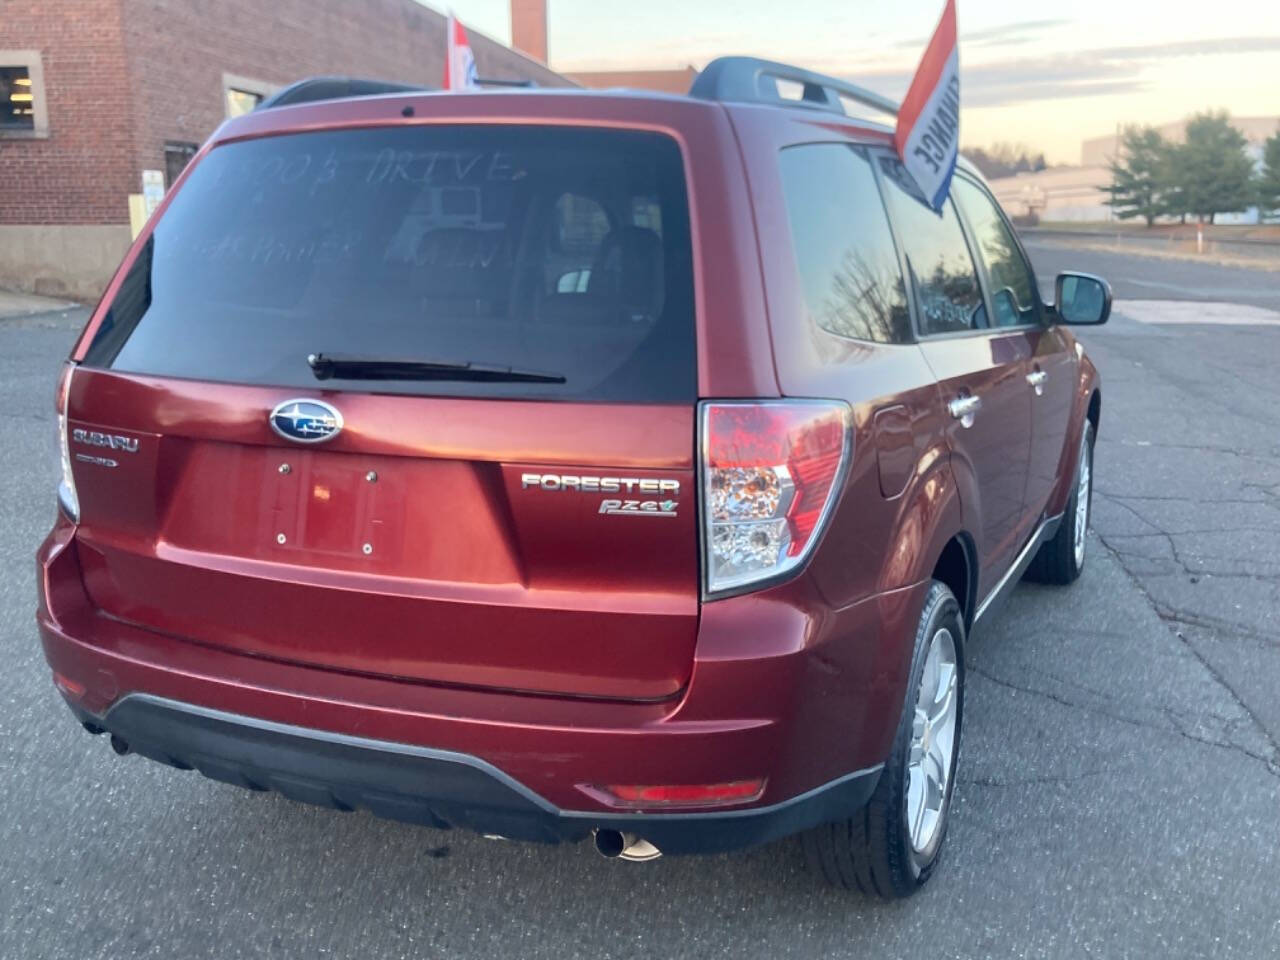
{"x":1120,"y":783}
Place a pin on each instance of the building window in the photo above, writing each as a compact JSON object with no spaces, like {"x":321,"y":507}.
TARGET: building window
{"x":240,"y":102}
{"x":19,"y":102}
{"x":176,"y":157}
{"x":23,"y":112}
{"x":242,"y":94}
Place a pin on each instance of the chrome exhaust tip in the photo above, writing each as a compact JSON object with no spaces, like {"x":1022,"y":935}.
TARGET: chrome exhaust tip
{"x":614,"y":844}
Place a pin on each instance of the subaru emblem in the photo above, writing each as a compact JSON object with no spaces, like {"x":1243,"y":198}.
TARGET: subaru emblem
{"x":306,"y":421}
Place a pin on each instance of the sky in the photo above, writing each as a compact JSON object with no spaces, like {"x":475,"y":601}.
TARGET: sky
{"x":1046,"y":73}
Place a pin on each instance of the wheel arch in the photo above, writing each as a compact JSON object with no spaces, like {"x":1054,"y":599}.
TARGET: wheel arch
{"x":956,"y":565}
{"x":1087,"y":409}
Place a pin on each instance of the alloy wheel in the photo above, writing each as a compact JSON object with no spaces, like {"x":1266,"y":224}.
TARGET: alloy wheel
{"x":933,"y":742}
{"x":1082,"y":503}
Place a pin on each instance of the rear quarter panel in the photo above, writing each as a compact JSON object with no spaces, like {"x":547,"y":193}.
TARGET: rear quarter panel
{"x":899,"y":504}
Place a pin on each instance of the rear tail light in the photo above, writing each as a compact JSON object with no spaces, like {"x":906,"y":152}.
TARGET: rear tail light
{"x":68,"y":500}
{"x":771,"y":472}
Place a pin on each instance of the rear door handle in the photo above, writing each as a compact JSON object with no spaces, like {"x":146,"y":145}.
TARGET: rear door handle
{"x":1037,"y":378}
{"x":964,"y":408}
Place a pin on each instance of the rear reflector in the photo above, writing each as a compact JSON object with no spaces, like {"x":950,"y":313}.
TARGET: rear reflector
{"x":771,"y":472}
{"x":683,"y":795}
{"x":68,"y":686}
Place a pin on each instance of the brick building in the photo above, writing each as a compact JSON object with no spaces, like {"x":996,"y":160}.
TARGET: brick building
{"x":663,"y":81}
{"x":94,"y":92}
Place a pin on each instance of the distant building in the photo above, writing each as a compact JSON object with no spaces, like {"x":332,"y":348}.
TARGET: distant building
{"x":1099,"y":151}
{"x":1080,"y":193}
{"x":98,"y":97}
{"x":663,"y":81}
{"x":529,"y":35}
{"x":1064,"y":193}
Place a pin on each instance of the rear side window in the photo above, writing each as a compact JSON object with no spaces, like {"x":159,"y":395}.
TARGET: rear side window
{"x":548,"y":249}
{"x":941,"y":269}
{"x":1013,"y":293}
{"x":844,"y":250}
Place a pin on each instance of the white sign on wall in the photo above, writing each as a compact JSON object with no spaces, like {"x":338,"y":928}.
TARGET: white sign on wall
{"x":152,"y":189}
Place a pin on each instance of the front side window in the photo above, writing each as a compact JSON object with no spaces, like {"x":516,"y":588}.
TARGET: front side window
{"x":550,"y":250}
{"x":844,"y":250}
{"x":948,"y":297}
{"x":1012,"y":282}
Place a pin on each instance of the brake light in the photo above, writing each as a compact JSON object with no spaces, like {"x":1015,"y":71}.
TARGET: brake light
{"x":770,"y":474}
{"x":68,"y":499}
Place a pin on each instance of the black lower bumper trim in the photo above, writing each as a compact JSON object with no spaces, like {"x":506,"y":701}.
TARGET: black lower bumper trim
{"x":435,"y":788}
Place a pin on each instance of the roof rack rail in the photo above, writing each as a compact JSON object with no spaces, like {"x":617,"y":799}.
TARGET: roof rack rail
{"x":750,"y":80}
{"x":334,"y":88}
{"x":501,"y":82}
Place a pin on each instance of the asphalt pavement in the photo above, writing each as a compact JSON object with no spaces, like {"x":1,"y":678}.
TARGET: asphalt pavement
{"x":1119,"y":792}
{"x":1137,"y":277}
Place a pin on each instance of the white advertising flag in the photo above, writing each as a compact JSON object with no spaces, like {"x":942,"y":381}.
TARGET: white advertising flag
{"x":928,"y":133}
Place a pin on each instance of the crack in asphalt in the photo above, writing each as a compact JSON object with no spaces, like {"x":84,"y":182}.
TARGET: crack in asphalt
{"x":1194,"y":447}
{"x":1066,"y":702}
{"x":1119,"y":497}
{"x":1200,"y":572}
{"x":1206,"y":622}
{"x":1195,"y":532}
{"x":1168,"y":613}
{"x":1205,"y":393}
{"x":1270,"y":493}
{"x":1177,"y":558}
{"x":1272,"y":763}
{"x":1269,"y":763}
{"x":1031,"y":781}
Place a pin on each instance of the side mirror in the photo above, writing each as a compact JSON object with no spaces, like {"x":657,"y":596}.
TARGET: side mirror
{"x":1082,"y":299}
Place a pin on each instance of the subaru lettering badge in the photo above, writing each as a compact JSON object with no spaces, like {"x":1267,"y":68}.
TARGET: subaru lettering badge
{"x":306,"y":421}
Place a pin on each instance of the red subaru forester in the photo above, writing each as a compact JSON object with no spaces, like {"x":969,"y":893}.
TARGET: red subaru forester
{"x":566,"y":464}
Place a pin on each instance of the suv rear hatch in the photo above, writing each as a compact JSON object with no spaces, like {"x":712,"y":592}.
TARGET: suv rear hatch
{"x":498,"y":320}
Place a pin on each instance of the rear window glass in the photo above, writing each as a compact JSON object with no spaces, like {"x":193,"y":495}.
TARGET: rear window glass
{"x":847,"y":262}
{"x":545,"y":249}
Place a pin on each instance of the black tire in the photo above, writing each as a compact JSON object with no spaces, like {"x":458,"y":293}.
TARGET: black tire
{"x":1057,"y":561}
{"x":872,"y":852}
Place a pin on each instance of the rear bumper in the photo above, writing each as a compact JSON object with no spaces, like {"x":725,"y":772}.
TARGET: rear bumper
{"x":782,"y":688}
{"x":435,"y":788}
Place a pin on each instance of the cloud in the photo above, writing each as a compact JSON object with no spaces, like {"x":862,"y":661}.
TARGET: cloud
{"x":1018,"y":81}
{"x":1010,"y":31}
{"x":1190,"y":48}
{"x":993,"y":75}
{"x":1100,"y":72}
{"x":992,"y":36}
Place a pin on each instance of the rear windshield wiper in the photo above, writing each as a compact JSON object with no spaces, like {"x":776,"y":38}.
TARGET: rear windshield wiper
{"x":326,"y":366}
